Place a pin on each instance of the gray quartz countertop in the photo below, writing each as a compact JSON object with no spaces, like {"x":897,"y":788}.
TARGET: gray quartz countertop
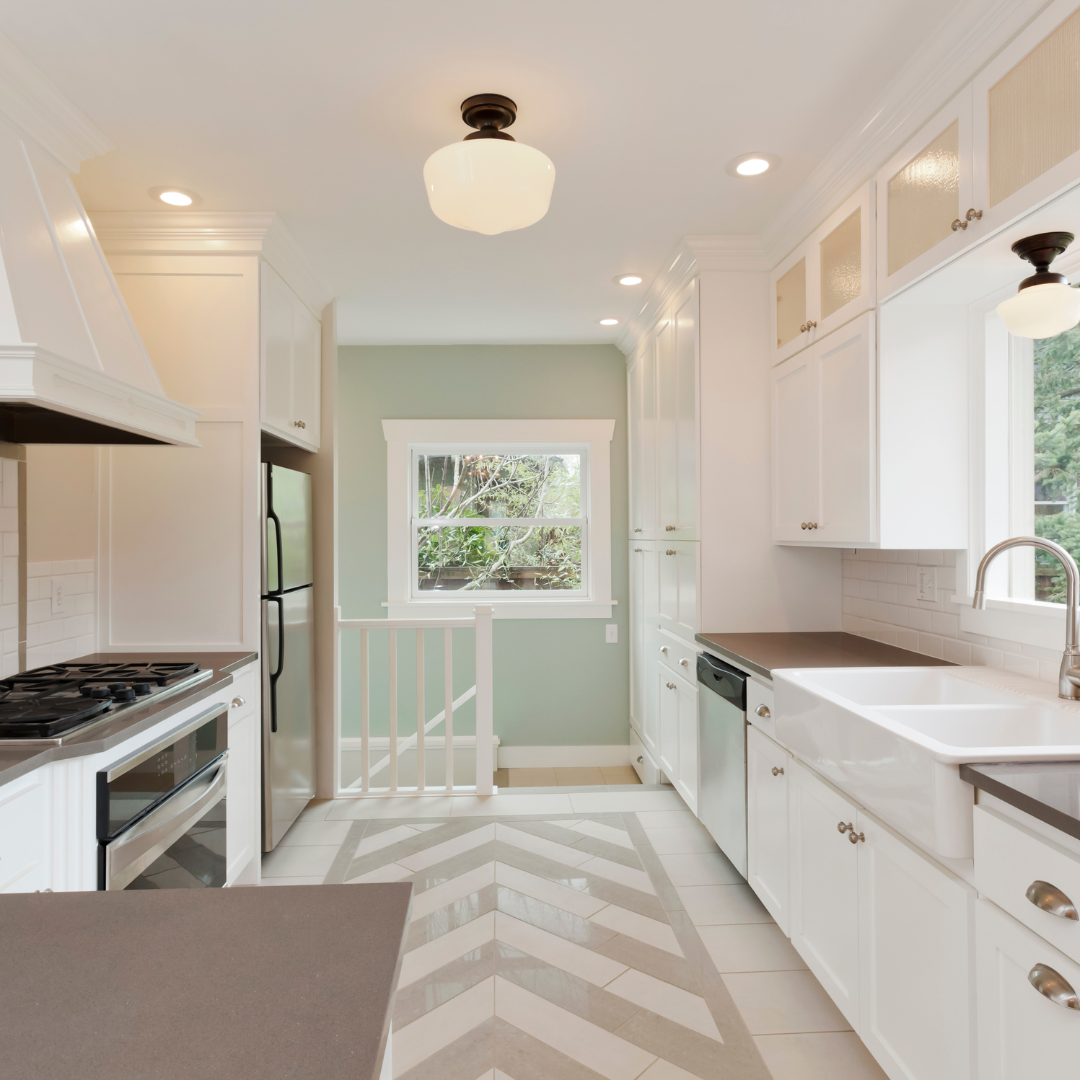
{"x":763,"y":653}
{"x":16,"y":761}
{"x":1047,"y":790}
{"x":219,"y":984}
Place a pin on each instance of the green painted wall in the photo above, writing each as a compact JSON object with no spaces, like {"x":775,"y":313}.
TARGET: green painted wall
{"x":556,"y":681}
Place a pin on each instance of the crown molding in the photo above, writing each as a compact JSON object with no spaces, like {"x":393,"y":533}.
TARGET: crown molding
{"x":959,"y":49}
{"x":213,"y":232}
{"x":695,"y":254}
{"x":37,"y":107}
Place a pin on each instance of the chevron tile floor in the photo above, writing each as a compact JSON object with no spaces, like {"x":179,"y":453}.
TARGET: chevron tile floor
{"x":613,"y":943}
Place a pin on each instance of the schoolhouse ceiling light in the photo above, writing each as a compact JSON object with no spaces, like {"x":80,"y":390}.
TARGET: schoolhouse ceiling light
{"x":489,"y":183}
{"x":1046,"y":304}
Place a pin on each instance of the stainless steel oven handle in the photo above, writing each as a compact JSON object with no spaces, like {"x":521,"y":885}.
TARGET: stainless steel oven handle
{"x":132,"y":851}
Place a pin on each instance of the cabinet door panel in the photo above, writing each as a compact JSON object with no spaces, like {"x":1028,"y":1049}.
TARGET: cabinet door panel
{"x":648,"y":441}
{"x":243,"y":837}
{"x":25,"y":834}
{"x":847,"y":421}
{"x":685,"y":322}
{"x":633,"y":408}
{"x":669,"y":723}
{"x":307,"y":367}
{"x":915,"y":923}
{"x":794,"y":443}
{"x":686,"y":696}
{"x":768,"y":767}
{"x":825,"y":888}
{"x":667,"y":389}
{"x":276,"y":328}
{"x":678,"y":588}
{"x":843,"y":249}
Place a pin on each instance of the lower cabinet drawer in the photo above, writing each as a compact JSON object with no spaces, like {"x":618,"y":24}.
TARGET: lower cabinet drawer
{"x":243,"y":692}
{"x":1034,"y":880}
{"x":760,"y":706}
{"x":642,"y":761}
{"x":677,"y":655}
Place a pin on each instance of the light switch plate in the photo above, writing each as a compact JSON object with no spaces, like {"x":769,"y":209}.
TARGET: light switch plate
{"x":58,"y":596}
{"x":926,"y":583}
{"x":611,"y":633}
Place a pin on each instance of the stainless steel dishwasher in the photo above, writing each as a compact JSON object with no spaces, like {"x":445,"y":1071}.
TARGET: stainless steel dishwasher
{"x":722,"y":742}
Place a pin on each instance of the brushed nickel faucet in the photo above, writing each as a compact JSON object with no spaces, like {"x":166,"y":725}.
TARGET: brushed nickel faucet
{"x":1069,"y":675}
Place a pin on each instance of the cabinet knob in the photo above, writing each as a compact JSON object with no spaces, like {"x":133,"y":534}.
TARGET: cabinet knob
{"x":763,"y":712}
{"x":671,"y":686}
{"x":640,"y":759}
{"x":958,"y":224}
{"x":669,"y":528}
{"x":973,"y":215}
{"x":1053,"y":985}
{"x":670,"y":551}
{"x":811,"y":524}
{"x":237,"y":702}
{"x":684,"y":662}
{"x":637,"y":549}
{"x":299,"y":424}
{"x":777,"y":770}
{"x":805,"y":526}
{"x":855,"y":837}
{"x":810,"y":324}
{"x":637,"y":530}
{"x":663,"y":649}
{"x":841,"y":828}
{"x":1049,"y":898}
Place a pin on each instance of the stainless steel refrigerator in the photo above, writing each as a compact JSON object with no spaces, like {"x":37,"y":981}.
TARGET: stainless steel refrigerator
{"x":288,"y":634}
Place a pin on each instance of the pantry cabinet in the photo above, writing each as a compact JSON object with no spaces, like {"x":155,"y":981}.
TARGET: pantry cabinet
{"x":827,"y":280}
{"x":291,"y":361}
{"x":768,"y":768}
{"x":678,"y":572}
{"x":679,"y":733}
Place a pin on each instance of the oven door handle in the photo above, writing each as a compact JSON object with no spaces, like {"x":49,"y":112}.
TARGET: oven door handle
{"x":134,"y":850}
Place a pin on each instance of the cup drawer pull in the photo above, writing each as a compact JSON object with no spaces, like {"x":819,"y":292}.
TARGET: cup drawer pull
{"x":1049,"y":898}
{"x":1053,"y":985}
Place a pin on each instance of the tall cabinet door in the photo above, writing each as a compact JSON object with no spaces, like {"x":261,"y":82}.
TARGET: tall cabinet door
{"x":668,"y":697}
{"x":637,"y":636}
{"x":825,"y":887}
{"x":924,"y":193}
{"x":645,"y":480}
{"x":686,"y":701}
{"x":844,"y":377}
{"x":667,"y":403}
{"x":794,"y":448}
{"x":644,"y":608}
{"x":768,"y":767}
{"x":685,"y":322}
{"x":678,"y":587}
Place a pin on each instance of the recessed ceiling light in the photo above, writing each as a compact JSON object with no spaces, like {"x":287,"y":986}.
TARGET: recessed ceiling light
{"x":752,"y":164}
{"x":174,"y":196}
{"x":629,"y":279}
{"x":609,"y":322}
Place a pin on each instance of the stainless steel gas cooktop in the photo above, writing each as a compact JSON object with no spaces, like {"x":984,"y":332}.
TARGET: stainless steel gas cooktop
{"x":49,"y":704}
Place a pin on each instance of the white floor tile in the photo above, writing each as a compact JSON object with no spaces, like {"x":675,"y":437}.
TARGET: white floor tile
{"x":709,"y":868}
{"x":438,"y":853}
{"x":638,"y":926}
{"x":404,"y":806}
{"x":316,"y":810}
{"x":667,"y":819}
{"x":382,"y":839}
{"x":466,"y":884}
{"x":390,"y":872}
{"x":684,"y":840}
{"x":601,"y":831}
{"x":783,"y":1002}
{"x":624,"y":875}
{"x":664,"y":1070}
{"x":678,"y":1005}
{"x":564,"y":823}
{"x":557,"y":951}
{"x":622,"y":802}
{"x":299,"y":861}
{"x":831,"y":1055}
{"x":308,"y":833}
{"x":750,"y":947}
{"x":550,"y":892}
{"x":539,"y":845}
{"x":293,"y":880}
{"x":503,"y":805}
{"x":440,"y":1027}
{"x":586,"y":1043}
{"x":721,"y":904}
{"x":433,"y":955}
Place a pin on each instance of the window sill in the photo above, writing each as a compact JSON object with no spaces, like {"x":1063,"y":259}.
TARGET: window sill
{"x":1030,"y":622}
{"x":504,"y":609}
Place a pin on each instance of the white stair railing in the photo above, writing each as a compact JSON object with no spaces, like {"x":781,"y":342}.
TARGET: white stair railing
{"x":481,"y":690}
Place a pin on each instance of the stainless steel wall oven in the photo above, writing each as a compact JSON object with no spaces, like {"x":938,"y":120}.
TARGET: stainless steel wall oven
{"x":161,"y":810}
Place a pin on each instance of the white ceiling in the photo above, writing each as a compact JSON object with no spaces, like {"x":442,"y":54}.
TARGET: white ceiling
{"x":326,"y":110}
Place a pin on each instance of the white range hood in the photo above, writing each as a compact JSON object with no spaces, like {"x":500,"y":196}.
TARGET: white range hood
{"x":73,"y":368}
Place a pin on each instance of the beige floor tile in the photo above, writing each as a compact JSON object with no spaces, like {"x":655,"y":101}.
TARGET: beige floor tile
{"x":602,"y":832}
{"x":667,"y":819}
{"x":403,"y":806}
{"x":316,"y":810}
{"x":440,"y":1027}
{"x":664,"y":1070}
{"x":438,"y":853}
{"x":624,"y":875}
{"x":557,"y":951}
{"x":447,"y":947}
{"x":578,"y":777}
{"x":586,"y":1043}
{"x":293,"y":880}
{"x":299,"y":861}
{"x":309,"y":832}
{"x":709,"y":868}
{"x":390,"y":872}
{"x":750,"y":947}
{"x":508,"y":805}
{"x":709,"y":905}
{"x":638,"y":926}
{"x":532,"y":777}
{"x":620,"y":774}
{"x":383,"y":839}
{"x":672,"y":1002}
{"x":783,"y":1002}
{"x":466,"y":884}
{"x":622,"y":802}
{"x":684,"y":840}
{"x":539,"y":845}
{"x":550,"y":892}
{"x":831,"y":1055}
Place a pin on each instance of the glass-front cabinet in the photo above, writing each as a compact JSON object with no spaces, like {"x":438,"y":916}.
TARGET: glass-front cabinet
{"x":826,"y":281}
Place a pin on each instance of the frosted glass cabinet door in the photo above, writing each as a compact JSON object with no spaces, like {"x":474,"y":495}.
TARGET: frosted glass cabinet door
{"x":922,"y":193}
{"x":843,"y":248}
{"x":793,"y":285}
{"x":794,"y":448}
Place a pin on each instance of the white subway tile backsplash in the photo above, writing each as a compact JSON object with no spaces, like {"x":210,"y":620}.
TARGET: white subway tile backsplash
{"x":55,"y":638}
{"x":878,"y":572}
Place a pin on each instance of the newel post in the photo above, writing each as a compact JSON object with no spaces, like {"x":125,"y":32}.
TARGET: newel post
{"x":485,"y":725}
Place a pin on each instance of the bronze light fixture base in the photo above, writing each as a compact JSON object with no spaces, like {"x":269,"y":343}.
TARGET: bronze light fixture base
{"x":1041,"y":250}
{"x":489,"y":114}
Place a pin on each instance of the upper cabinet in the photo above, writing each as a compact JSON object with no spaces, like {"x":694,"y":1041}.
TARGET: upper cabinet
{"x":827,"y":280}
{"x":291,"y":364}
{"x":662,"y":392}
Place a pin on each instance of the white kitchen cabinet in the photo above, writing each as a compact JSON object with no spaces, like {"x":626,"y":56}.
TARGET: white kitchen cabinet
{"x":667,"y":695}
{"x":243,"y":854}
{"x":678,"y":578}
{"x":641,"y":408}
{"x":825,"y":887}
{"x":291,"y":362}
{"x":824,"y":415}
{"x":26,"y":833}
{"x":679,"y":733}
{"x":768,"y":767}
{"x":1022,"y":1033}
{"x":827,"y":280}
{"x":644,"y":616}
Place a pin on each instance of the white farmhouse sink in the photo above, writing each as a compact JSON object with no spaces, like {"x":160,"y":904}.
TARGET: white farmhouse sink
{"x":894,"y":738}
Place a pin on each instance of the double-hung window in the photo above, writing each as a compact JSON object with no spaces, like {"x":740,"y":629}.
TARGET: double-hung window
{"x":510,"y":513}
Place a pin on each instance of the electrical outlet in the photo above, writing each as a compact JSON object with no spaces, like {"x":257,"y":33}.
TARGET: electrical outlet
{"x":611,"y":633}
{"x":58,"y":596}
{"x":926,"y":583}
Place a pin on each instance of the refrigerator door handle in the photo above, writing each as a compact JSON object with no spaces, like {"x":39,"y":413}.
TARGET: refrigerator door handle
{"x":274,"y":675}
{"x":271,"y":516}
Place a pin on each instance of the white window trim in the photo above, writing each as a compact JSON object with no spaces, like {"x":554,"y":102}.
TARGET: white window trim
{"x":403,"y":436}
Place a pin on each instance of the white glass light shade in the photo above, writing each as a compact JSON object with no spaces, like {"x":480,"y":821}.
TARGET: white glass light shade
{"x":1041,"y":311}
{"x":489,"y":185}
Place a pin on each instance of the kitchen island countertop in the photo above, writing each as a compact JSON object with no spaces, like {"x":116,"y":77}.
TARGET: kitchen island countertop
{"x":222,"y":984}
{"x":1047,"y":790}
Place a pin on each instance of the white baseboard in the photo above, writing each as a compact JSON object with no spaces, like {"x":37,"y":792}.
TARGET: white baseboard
{"x":566,"y":757}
